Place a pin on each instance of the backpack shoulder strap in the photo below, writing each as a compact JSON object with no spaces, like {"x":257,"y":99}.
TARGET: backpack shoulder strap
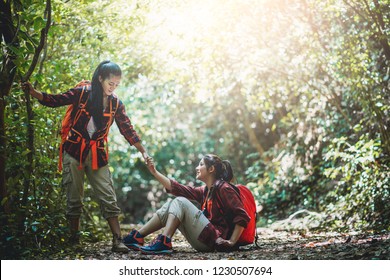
{"x":84,"y":96}
{"x":82,"y":103}
{"x":218,"y":199}
{"x":115,"y":103}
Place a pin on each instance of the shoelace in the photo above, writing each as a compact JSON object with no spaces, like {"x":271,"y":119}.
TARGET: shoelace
{"x":154,"y":241}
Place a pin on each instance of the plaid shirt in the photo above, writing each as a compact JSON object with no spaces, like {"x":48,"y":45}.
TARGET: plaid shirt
{"x":221,"y":225}
{"x":73,"y":144}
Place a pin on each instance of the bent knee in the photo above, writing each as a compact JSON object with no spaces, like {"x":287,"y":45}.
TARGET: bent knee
{"x":182,"y":200}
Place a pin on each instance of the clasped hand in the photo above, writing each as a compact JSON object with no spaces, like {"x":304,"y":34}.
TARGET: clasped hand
{"x":150,"y":164}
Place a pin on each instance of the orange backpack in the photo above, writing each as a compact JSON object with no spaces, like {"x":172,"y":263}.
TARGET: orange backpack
{"x":73,"y":114}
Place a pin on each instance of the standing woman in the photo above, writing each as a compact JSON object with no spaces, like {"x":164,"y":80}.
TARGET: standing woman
{"x":84,"y":150}
{"x":206,"y":229}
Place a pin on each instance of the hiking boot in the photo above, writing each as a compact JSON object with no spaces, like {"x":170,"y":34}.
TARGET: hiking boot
{"x":134,"y":240}
{"x":161,"y":245}
{"x":74,"y":242}
{"x":118,"y":246}
{"x":75,"y":233}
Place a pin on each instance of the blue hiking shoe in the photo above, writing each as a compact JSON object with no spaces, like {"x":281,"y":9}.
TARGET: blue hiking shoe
{"x":134,"y":240}
{"x":161,"y":245}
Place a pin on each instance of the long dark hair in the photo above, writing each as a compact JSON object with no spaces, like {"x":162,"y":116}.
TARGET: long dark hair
{"x":223,"y":168}
{"x":104,"y":70}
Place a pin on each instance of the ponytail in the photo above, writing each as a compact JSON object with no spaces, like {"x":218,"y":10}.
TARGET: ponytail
{"x":227,"y":171}
{"x":223,"y":168}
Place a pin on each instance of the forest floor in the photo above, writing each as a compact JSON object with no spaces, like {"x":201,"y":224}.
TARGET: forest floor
{"x":273,"y":245}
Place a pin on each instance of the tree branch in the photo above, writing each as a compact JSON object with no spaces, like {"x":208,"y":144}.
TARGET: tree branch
{"x":42,"y":42}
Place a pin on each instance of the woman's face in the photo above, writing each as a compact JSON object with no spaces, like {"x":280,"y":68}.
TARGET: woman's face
{"x":110,"y":84}
{"x":202,"y":173}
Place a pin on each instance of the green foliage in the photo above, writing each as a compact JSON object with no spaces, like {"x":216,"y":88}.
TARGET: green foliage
{"x":37,"y":225}
{"x":295,"y":95}
{"x":363,"y":184}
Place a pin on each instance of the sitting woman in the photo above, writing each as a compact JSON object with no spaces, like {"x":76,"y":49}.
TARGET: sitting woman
{"x":206,"y":229}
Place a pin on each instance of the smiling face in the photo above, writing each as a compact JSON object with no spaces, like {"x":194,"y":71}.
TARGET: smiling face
{"x":110,"y":84}
{"x":202,"y":172}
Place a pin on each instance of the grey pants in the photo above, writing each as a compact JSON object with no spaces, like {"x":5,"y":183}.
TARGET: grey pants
{"x":192,"y":220}
{"x":100,"y":180}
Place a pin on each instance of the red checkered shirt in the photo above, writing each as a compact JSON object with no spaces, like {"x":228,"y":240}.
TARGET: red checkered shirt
{"x":221,"y":225}
{"x":73,"y":145}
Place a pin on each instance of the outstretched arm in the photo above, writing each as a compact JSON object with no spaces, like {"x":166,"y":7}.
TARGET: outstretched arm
{"x":142,"y":150}
{"x":52,"y":100}
{"x":160,"y":177}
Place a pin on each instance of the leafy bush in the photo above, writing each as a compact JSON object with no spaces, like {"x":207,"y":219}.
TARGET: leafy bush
{"x":362,"y":184}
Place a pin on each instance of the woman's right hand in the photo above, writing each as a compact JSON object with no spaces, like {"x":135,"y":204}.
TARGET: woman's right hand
{"x":165,"y":181}
{"x":28,"y":88}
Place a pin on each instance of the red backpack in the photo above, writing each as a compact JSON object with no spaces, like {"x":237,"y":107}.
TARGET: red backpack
{"x":249,"y":235}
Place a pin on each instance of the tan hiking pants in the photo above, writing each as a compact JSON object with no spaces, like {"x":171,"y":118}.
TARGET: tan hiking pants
{"x":192,"y":220}
{"x":100,"y":180}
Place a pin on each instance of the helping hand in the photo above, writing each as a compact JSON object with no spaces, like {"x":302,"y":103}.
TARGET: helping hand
{"x":145,"y":156}
{"x":150,"y":164}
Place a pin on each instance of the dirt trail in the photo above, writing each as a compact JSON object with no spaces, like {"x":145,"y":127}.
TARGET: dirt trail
{"x":274,"y":245}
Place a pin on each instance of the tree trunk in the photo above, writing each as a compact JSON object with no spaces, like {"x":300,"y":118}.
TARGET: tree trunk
{"x":9,"y":37}
{"x":28,"y":181}
{"x":7,"y":76}
{"x":3,"y":144}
